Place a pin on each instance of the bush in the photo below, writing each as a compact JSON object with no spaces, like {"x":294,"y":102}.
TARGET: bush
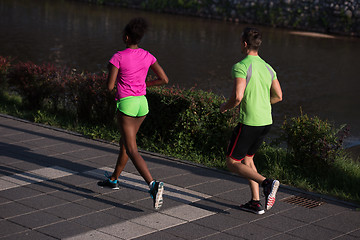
{"x":5,"y":63}
{"x":34,"y":83}
{"x":187,"y":122}
{"x":315,"y":143}
{"x":89,"y":97}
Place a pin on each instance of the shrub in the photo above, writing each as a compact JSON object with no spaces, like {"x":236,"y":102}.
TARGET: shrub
{"x":315,"y":143}
{"x":5,"y":63}
{"x":34,"y":83}
{"x":188,"y":122}
{"x":88,"y":96}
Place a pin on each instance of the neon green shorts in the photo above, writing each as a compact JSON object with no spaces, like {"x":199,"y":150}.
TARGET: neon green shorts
{"x":133,"y":106}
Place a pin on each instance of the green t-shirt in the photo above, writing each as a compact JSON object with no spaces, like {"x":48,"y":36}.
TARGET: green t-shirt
{"x":255,"y":107}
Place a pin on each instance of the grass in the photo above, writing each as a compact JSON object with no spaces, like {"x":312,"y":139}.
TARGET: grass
{"x":341,"y":179}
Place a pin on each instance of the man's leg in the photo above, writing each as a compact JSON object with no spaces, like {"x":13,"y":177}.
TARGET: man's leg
{"x":254,"y":186}
{"x":244,"y":170}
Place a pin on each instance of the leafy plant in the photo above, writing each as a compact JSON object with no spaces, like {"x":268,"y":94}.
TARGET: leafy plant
{"x":5,"y":63}
{"x":33,"y":82}
{"x":315,"y":143}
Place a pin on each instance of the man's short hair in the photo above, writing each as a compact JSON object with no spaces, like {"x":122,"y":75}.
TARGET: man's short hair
{"x":252,"y":37}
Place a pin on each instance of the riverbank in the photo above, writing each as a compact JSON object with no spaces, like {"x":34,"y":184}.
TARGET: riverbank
{"x":354,"y":152}
{"x":339,"y":18}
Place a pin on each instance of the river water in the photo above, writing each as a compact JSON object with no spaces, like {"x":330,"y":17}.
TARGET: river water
{"x":319,"y":74}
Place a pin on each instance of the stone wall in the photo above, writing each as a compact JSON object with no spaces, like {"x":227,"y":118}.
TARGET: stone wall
{"x":324,"y":16}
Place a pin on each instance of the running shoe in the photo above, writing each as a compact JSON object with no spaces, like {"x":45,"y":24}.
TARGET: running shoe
{"x":270,"y":189}
{"x":253,"y":206}
{"x":113,"y":184}
{"x":156,"y":192}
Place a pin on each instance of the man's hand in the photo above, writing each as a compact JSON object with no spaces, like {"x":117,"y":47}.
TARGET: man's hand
{"x":222,"y":108}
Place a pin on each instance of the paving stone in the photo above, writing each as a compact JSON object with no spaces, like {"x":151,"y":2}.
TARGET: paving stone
{"x":13,"y":209}
{"x":251,"y":231}
{"x":218,"y":186}
{"x":62,"y":230}
{"x":46,"y":186}
{"x":35,"y":219}
{"x":96,"y":235}
{"x":127,"y":230}
{"x":69,"y":210}
{"x":5,"y":185}
{"x":190,"y":231}
{"x":239,"y":196}
{"x":8,"y":160}
{"x":42,"y":201}
{"x":28,"y":235}
{"x":157,"y":221}
{"x":222,"y":236}
{"x":355,"y":233}
{"x":347,"y":237}
{"x":215,"y":204}
{"x":314,"y":232}
{"x":98,"y":203}
{"x":340,"y":222}
{"x":97,"y":220}
{"x":71,"y":195}
{"x":187,"y":212}
{"x":304,"y":214}
{"x":125,"y":195}
{"x":8,"y":228}
{"x":160,"y":235}
{"x":19,"y":193}
{"x":284,"y":236}
{"x":219,"y":222}
{"x":53,"y":172}
{"x":128,"y":211}
{"x":279,"y":223}
{"x":186,"y":180}
{"x":26,"y":166}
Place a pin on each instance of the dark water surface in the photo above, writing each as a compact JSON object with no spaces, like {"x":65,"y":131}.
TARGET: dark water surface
{"x":321,"y":75}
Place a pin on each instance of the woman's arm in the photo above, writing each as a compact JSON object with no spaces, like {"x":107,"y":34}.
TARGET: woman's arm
{"x":113,"y":72}
{"x":161,"y":76}
{"x":236,"y":96}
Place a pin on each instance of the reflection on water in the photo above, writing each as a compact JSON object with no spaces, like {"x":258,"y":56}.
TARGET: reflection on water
{"x":318,"y":74}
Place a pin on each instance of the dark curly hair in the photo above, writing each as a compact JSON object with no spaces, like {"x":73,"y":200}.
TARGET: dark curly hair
{"x":135,"y":30}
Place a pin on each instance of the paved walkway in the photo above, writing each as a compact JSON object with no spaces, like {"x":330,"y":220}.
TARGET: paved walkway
{"x":48,"y":190}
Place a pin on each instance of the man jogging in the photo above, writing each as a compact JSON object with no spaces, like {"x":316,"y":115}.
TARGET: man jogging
{"x":256,"y":87}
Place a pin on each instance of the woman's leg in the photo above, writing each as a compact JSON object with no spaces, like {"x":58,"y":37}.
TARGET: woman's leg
{"x":121,"y":161}
{"x":129,"y":126}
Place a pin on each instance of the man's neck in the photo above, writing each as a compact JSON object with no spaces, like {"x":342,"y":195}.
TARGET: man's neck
{"x":253,"y":53}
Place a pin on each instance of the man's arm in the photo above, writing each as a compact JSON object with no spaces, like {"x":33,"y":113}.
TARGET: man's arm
{"x":236,"y":95}
{"x":275,"y":92}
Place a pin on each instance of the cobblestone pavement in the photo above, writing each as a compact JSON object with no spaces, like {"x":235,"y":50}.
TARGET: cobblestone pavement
{"x":48,"y":190}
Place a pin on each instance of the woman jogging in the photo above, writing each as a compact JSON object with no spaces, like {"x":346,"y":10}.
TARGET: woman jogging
{"x":127,"y":71}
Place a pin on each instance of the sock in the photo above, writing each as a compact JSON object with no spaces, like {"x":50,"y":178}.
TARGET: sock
{"x":151,"y":184}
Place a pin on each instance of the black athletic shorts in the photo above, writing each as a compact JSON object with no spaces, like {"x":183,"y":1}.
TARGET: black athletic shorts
{"x":246,"y":140}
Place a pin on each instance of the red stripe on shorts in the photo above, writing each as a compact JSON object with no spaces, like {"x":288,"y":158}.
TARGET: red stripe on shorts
{"x":235,"y":142}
